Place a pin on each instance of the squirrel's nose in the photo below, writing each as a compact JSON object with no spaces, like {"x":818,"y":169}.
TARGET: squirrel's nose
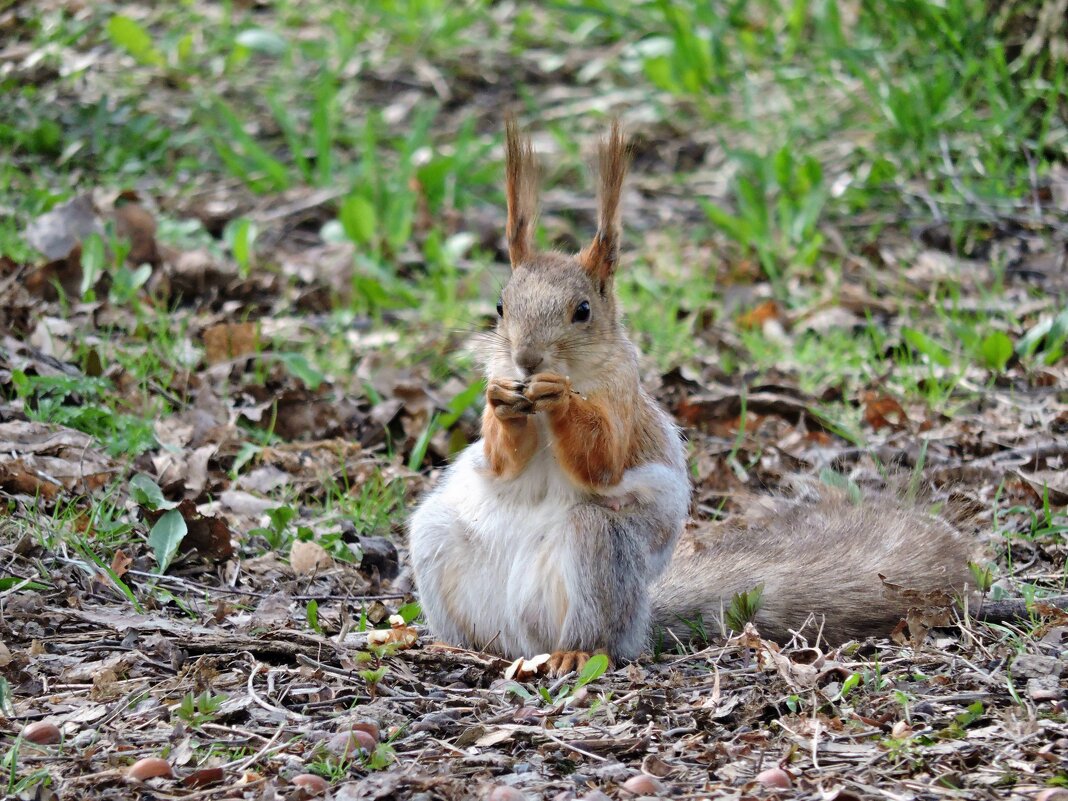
{"x":528,"y":361}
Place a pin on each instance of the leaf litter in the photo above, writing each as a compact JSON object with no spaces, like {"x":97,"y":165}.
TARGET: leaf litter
{"x":265,"y":632}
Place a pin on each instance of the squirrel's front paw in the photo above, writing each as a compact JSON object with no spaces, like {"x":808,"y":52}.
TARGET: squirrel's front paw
{"x":507,"y":400}
{"x":548,"y":392}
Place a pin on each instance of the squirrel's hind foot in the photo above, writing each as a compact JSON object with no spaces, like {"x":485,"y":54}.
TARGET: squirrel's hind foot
{"x":563,"y":662}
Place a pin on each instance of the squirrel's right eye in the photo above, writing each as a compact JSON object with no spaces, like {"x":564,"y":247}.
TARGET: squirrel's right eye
{"x":500,"y":309}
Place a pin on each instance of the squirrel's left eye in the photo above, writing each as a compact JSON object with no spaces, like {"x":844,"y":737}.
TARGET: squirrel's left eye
{"x":582,"y":313}
{"x":500,"y":309}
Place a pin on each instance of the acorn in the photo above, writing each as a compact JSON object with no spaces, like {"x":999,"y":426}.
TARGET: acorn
{"x":310,"y":783}
{"x":42,"y":732}
{"x":774,"y":777}
{"x":150,"y":768}
{"x":643,"y":785}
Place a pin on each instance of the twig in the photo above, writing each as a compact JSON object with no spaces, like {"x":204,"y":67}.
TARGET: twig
{"x":242,"y":764}
{"x":312,"y":201}
{"x":233,"y":730}
{"x":256,"y":665}
{"x":1014,"y":609}
{"x":815,"y":736}
{"x":307,"y":661}
{"x":1027,"y":454}
{"x":1032,"y":176}
{"x":570,"y":747}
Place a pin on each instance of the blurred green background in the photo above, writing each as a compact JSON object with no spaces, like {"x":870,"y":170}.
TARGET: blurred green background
{"x":803,"y":154}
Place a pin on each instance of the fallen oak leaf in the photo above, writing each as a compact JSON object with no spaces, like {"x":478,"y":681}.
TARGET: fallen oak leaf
{"x":44,"y":458}
{"x":1047,"y":484}
{"x":920,"y":597}
{"x":702,"y":410}
{"x":17,"y":480}
{"x":204,"y":777}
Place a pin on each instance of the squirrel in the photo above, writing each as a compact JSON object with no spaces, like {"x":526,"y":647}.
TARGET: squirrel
{"x":557,"y":531}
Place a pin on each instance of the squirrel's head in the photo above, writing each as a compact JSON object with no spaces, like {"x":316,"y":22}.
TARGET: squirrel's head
{"x":557,"y":312}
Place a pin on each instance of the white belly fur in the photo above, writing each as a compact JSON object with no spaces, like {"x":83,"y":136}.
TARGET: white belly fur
{"x":490,"y":554}
{"x":501,"y":567}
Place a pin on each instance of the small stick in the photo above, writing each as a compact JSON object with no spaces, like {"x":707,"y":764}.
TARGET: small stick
{"x":570,"y":747}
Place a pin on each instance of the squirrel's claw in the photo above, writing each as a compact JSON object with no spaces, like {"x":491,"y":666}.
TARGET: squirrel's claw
{"x":507,"y":400}
{"x":563,"y":662}
{"x":548,"y":390}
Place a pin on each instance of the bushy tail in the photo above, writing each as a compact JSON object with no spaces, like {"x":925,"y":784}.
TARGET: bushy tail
{"x":819,"y":560}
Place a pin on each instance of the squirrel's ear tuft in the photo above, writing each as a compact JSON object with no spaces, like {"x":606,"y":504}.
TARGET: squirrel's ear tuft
{"x":521,"y":189}
{"x":613,"y":157}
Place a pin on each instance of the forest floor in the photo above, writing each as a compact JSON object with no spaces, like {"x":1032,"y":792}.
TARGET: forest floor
{"x":244,"y":248}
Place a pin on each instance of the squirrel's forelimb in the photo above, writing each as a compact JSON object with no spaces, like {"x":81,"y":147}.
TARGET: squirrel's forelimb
{"x":509,"y":434}
{"x":589,"y":443}
{"x":589,"y":435}
{"x":508,"y":444}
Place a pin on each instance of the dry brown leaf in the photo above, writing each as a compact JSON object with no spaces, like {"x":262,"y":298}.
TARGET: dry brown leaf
{"x":193,"y":274}
{"x":207,"y":535}
{"x":38,"y":457}
{"x":755,"y":318}
{"x":927,"y":609}
{"x":272,"y":611}
{"x":136,"y":224}
{"x":226,"y":341}
{"x":495,"y":736}
{"x":1048,"y":483}
{"x":799,"y":676}
{"x":705,"y":410}
{"x":173,"y":431}
{"x":204,"y":777}
{"x":878,"y":409}
{"x":186,"y":470}
{"x":58,"y":235}
{"x":120,"y":563}
{"x":306,"y":557}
